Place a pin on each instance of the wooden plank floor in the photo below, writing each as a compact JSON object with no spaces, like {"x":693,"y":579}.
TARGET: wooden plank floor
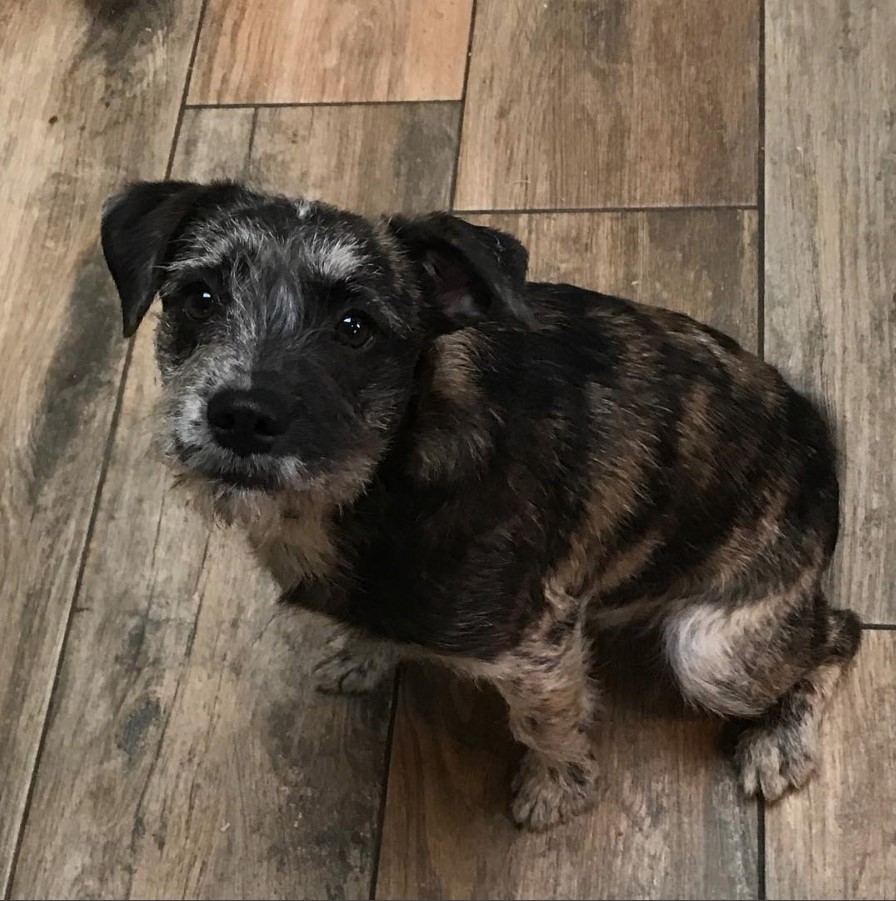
{"x":159,"y":734}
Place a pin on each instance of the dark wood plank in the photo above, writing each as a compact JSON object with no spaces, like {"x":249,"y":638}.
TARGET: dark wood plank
{"x":305,"y":51}
{"x":372,"y":158}
{"x":90,"y":97}
{"x":189,"y":754}
{"x":831,"y":258}
{"x":669,"y":821}
{"x":837,"y":838}
{"x":621,"y":103}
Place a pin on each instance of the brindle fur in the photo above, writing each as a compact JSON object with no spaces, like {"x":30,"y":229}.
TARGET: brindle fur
{"x":507,"y":466}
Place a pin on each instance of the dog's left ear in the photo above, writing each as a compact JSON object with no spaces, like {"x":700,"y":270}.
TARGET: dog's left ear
{"x":466,"y":272}
{"x":138,"y":225}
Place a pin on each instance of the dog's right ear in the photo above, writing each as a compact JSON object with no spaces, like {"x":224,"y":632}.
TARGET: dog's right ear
{"x":466,"y":272}
{"x":138,"y":225}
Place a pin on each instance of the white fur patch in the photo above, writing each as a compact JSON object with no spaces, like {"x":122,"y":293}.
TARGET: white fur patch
{"x":701,"y":647}
{"x":334,"y":258}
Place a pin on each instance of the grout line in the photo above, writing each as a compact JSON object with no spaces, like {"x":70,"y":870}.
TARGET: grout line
{"x":95,"y":507}
{"x":387,"y":766}
{"x":762,"y":880}
{"x":247,"y":165}
{"x":301,"y":104}
{"x":760,"y":191}
{"x":183,"y":97}
{"x":761,"y":859}
{"x":452,"y":192}
{"x":608,"y":209}
{"x":879,"y":627}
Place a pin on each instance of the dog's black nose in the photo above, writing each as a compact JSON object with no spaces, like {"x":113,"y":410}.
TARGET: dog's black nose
{"x":248,"y":422}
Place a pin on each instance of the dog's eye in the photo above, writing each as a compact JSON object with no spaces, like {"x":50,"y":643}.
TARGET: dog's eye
{"x":199,"y":302}
{"x":354,"y":330}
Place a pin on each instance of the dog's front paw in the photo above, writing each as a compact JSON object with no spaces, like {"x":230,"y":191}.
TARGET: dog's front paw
{"x":347,"y":670}
{"x":547,"y":794}
{"x":775,"y":759}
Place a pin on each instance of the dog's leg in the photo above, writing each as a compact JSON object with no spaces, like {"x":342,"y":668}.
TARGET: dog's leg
{"x":552,"y":702}
{"x":780,"y":750}
{"x":349,"y":663}
{"x":772,"y":665}
{"x":353,"y":664}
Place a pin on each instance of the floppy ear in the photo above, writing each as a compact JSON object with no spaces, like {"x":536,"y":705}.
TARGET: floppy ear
{"x":467,"y":272}
{"x":137,"y":227}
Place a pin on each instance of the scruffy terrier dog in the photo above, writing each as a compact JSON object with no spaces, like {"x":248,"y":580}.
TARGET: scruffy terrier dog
{"x":439,"y":454}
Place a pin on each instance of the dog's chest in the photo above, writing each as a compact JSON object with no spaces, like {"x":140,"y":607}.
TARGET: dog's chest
{"x":297,"y":548}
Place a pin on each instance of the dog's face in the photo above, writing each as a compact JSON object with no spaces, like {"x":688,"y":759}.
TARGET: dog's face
{"x":290,"y":331}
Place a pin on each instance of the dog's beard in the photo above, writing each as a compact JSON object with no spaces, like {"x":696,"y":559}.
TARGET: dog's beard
{"x":258,"y":491}
{"x":256,"y":472}
{"x":254,"y":491}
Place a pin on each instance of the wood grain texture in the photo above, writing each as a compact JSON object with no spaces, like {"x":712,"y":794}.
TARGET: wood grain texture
{"x":837,"y":838}
{"x":90,"y":97}
{"x":830,"y":283}
{"x":372,"y":158}
{"x":188,"y":753}
{"x":307,"y":51}
{"x":620,"y":103}
{"x":669,"y":822}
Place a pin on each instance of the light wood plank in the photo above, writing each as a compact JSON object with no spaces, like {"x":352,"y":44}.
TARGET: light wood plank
{"x":306,"y":51}
{"x":837,"y":838}
{"x":372,"y":158}
{"x":669,"y":821}
{"x":831,"y":258}
{"x":90,"y":97}
{"x":189,"y":754}
{"x":621,"y":103}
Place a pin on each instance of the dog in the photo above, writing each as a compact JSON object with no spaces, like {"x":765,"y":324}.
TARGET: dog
{"x":447,"y":459}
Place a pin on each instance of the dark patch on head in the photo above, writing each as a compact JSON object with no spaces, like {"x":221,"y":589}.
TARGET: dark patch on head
{"x":81,"y":369}
{"x":136,"y":725}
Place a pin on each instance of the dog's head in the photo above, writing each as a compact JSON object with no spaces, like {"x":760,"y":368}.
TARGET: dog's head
{"x":291,"y":331}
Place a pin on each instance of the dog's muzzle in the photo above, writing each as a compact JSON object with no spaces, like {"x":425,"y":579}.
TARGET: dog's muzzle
{"x":248,"y":422}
